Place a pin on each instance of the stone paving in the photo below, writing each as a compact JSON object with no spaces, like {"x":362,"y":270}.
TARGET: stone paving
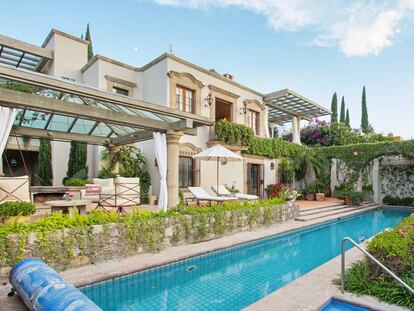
{"x":110,"y":269}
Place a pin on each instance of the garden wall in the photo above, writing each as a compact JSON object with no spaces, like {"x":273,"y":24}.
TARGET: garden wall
{"x":84,"y":245}
{"x":389,"y":175}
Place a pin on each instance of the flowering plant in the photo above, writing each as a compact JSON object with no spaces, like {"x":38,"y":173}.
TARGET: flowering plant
{"x":288,"y":193}
{"x":273,"y":190}
{"x":68,"y":196}
{"x":282,"y":190}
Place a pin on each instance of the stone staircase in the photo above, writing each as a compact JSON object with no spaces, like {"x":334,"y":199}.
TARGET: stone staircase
{"x":320,"y":212}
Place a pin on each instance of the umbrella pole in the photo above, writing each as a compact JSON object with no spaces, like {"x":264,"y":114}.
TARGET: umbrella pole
{"x":218,"y":174}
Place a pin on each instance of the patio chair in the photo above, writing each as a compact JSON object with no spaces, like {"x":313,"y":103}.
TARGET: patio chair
{"x":15,"y":189}
{"x":126,"y":193}
{"x":100,"y":185}
{"x":222,"y":190}
{"x":201,"y":195}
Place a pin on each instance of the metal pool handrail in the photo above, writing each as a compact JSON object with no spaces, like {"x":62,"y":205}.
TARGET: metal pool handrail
{"x":373,"y":259}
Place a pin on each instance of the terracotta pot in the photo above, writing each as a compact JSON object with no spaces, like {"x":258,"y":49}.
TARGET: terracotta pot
{"x":320,"y":196}
{"x":310,"y":196}
{"x":347,"y":200}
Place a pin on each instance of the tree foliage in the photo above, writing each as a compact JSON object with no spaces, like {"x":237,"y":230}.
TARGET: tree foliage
{"x":77,"y":167}
{"x":347,"y":119}
{"x":334,"y":108}
{"x":88,"y":38}
{"x":365,"y":126}
{"x":44,"y":172}
{"x":342,"y":116}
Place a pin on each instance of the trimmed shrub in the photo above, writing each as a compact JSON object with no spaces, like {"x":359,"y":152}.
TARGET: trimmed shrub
{"x":406,"y":201}
{"x":76,"y":182}
{"x":11,"y":208}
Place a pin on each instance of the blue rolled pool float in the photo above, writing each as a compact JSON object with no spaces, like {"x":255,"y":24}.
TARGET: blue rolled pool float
{"x":43,"y":289}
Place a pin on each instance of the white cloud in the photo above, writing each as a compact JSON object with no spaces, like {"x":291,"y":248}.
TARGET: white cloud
{"x":355,"y":27}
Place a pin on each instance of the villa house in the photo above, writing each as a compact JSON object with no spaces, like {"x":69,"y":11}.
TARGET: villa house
{"x":175,"y":83}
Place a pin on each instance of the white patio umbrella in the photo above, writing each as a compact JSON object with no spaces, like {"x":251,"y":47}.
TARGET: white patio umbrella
{"x":218,"y":153}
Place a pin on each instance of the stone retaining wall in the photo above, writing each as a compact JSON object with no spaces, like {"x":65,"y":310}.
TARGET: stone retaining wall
{"x":74,"y":247}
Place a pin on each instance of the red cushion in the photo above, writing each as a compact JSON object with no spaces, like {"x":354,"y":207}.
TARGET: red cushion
{"x":93,"y":189}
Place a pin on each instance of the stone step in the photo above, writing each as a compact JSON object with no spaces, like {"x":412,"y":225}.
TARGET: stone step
{"x":343,"y":212}
{"x":315,"y":211}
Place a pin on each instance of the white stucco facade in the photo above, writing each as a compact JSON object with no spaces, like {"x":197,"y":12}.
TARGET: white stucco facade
{"x":156,"y":83}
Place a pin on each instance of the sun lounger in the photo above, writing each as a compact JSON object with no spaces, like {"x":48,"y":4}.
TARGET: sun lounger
{"x":222,"y":190}
{"x":201,"y":195}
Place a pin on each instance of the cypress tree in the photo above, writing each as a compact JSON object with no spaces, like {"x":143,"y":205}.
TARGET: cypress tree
{"x":366,"y":128}
{"x":77,"y":161}
{"x":44,"y":172}
{"x":342,"y":116}
{"x":88,"y":38}
{"x":334,"y":108}
{"x":347,"y":120}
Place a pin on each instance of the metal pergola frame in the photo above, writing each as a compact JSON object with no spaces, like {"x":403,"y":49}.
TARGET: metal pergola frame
{"x":285,"y":104}
{"x":59,"y":109}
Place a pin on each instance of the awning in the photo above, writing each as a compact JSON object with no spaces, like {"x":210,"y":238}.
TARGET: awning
{"x":20,"y":54}
{"x":285,"y":104}
{"x":54,"y":108}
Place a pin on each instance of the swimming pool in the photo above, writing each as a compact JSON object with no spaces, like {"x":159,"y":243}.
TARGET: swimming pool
{"x":236,"y":277}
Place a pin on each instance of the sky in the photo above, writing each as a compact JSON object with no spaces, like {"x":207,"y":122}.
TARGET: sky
{"x":314,"y":47}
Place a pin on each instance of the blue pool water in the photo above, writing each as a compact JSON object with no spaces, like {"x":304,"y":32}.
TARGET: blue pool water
{"x":336,"y":305}
{"x":236,"y":277}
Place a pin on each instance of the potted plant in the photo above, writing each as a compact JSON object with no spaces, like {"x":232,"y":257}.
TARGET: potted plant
{"x":310,"y":192}
{"x":352,"y":197}
{"x":11,"y":211}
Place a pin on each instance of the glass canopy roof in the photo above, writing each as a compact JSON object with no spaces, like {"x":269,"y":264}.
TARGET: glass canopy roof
{"x":23,"y":55}
{"x":64,"y":110}
{"x":285,"y":103}
{"x":29,"y":118}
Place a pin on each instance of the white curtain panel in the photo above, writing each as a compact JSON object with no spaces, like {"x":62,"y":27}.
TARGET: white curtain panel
{"x":160,"y":144}
{"x":7,"y":116}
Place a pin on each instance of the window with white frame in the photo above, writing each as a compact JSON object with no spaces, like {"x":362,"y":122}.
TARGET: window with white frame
{"x":184,"y":98}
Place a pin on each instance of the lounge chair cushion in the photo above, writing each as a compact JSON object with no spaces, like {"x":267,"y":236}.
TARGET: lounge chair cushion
{"x":241,"y":196}
{"x":200,"y":194}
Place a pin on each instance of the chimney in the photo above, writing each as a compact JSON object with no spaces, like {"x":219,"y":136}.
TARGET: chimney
{"x":228,"y":76}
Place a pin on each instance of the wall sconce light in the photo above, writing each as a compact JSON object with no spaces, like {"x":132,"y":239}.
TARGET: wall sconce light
{"x":243,"y":110}
{"x":272,"y":166}
{"x":208,"y":100}
{"x":223,"y":162}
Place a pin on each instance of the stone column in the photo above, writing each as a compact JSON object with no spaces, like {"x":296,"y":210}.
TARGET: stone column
{"x":173,"y":142}
{"x":296,"y":130}
{"x":112,"y":151}
{"x":334,"y":175}
{"x":376,"y":183}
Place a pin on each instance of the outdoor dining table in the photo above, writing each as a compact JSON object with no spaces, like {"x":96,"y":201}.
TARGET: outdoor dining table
{"x":65,"y":206}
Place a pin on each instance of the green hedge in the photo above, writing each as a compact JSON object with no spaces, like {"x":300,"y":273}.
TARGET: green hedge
{"x":11,"y":208}
{"x":395,"y":249}
{"x":406,"y":201}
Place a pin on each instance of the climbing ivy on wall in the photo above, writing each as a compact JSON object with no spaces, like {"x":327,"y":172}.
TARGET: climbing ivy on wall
{"x":238,"y":134}
{"x":358,"y":156}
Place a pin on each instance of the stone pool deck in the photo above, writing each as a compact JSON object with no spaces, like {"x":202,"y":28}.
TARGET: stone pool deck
{"x":114,"y":268}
